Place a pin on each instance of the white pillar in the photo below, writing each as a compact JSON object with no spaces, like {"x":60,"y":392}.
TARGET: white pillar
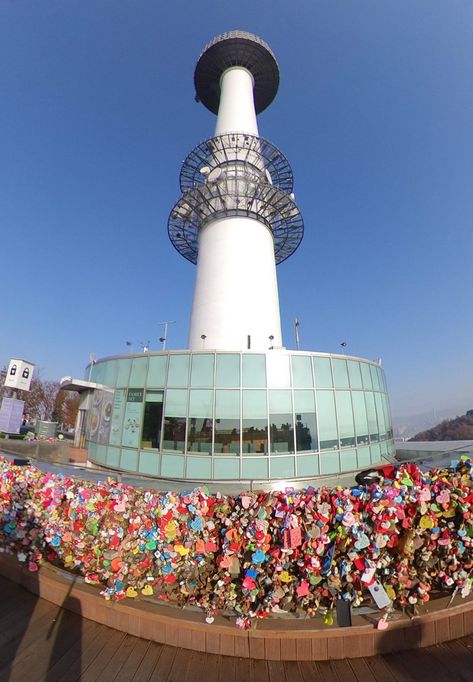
{"x":236,"y":290}
{"x":236,"y":110}
{"x":236,"y":300}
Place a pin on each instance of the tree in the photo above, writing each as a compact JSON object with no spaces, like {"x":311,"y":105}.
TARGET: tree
{"x":66,"y":406}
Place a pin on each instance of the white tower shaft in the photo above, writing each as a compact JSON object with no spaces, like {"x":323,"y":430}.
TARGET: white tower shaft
{"x":236,"y":301}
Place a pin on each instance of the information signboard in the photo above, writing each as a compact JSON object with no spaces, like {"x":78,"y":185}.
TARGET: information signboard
{"x":11,"y":415}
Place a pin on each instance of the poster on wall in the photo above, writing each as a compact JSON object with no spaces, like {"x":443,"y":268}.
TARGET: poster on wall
{"x":117,"y":417}
{"x":100,"y":416}
{"x":133,"y":417}
{"x":11,"y":415}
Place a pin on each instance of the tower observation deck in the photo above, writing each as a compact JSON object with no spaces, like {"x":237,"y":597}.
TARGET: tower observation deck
{"x":236,"y":218}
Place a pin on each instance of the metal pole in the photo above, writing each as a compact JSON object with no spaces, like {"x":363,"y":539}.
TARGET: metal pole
{"x":163,"y":339}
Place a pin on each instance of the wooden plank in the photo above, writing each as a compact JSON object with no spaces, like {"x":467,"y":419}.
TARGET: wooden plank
{"x":442,"y":630}
{"x":118,"y":661}
{"x":113,"y":641}
{"x":242,"y":647}
{"x":461,"y":659}
{"x":293,"y":671}
{"x":149,"y":662}
{"x":14,"y":624}
{"x":468,"y":622}
{"x":428,"y":635}
{"x":276,"y":671}
{"x":342,"y":671}
{"x":164,"y":664}
{"x":212,"y":667}
{"x":456,"y":626}
{"x":256,"y":647}
{"x":362,"y":670}
{"x":133,"y":661}
{"x":198,"y":640}
{"x":242,"y":670}
{"x":424,"y":667}
{"x":26,"y":646}
{"x":389,"y":641}
{"x":288,"y":649}
{"x":378,"y":669}
{"x":180,"y":665}
{"x":90,"y":649}
{"x":70,"y":662}
{"x":227,"y":669}
{"x":394,"y":663}
{"x":272,"y":649}
{"x":325,"y":672}
{"x":259,"y":671}
{"x":353,"y":646}
{"x":196,"y":667}
{"x":212,"y":642}
{"x":335,"y":648}
{"x":69,"y":628}
{"x":227,"y":645}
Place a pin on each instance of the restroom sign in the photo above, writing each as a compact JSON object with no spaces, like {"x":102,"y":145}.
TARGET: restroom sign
{"x":19,"y":374}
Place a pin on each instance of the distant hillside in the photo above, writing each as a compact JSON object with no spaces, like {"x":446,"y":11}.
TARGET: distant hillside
{"x":460,"y":428}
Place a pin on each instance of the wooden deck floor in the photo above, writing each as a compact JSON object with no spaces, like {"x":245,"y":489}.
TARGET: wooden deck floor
{"x":41,"y":642}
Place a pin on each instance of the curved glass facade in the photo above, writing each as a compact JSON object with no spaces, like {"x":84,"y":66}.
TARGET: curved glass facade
{"x":238,"y":415}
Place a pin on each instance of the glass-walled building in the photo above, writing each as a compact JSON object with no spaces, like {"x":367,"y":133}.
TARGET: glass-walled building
{"x":238,"y":416}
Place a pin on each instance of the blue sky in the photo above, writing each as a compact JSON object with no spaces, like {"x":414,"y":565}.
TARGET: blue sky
{"x":374,"y":112}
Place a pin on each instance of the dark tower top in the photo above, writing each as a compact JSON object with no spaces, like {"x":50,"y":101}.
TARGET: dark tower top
{"x":236,"y":48}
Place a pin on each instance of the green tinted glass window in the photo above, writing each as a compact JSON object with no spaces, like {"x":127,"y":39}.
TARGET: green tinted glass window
{"x":227,"y":422}
{"x":178,"y":370}
{"x":306,"y":422}
{"x":371,"y":414}
{"x":348,"y":460}
{"x":380,"y":413}
{"x":328,"y":434}
{"x":366,"y":376}
{"x":354,"y":373}
{"x":281,"y":421}
{"x":361,"y":420}
{"x":254,"y":371}
{"x":157,"y":371}
{"x":227,"y":404}
{"x":202,"y":373}
{"x":254,"y":404}
{"x":254,"y":422}
{"x":176,"y":403}
{"x":139,"y":370}
{"x":375,"y":378}
{"x":123,"y":372}
{"x":329,"y":463}
{"x":280,"y":401}
{"x":200,"y":403}
{"x":340,"y":373}
{"x":301,"y":371}
{"x":381,"y":380}
{"x":323,"y":372}
{"x":346,"y":428}
{"x":110,"y":376}
{"x":228,"y":370}
{"x":304,"y":401}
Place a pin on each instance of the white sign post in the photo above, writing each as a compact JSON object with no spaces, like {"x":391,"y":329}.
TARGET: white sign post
{"x":19,"y":374}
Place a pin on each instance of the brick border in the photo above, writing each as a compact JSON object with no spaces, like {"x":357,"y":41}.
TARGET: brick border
{"x":272,"y":639}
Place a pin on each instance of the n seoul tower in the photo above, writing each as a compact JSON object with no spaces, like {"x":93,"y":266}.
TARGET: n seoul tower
{"x":236,"y":218}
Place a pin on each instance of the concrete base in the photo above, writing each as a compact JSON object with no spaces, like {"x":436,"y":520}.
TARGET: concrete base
{"x":272,"y":639}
